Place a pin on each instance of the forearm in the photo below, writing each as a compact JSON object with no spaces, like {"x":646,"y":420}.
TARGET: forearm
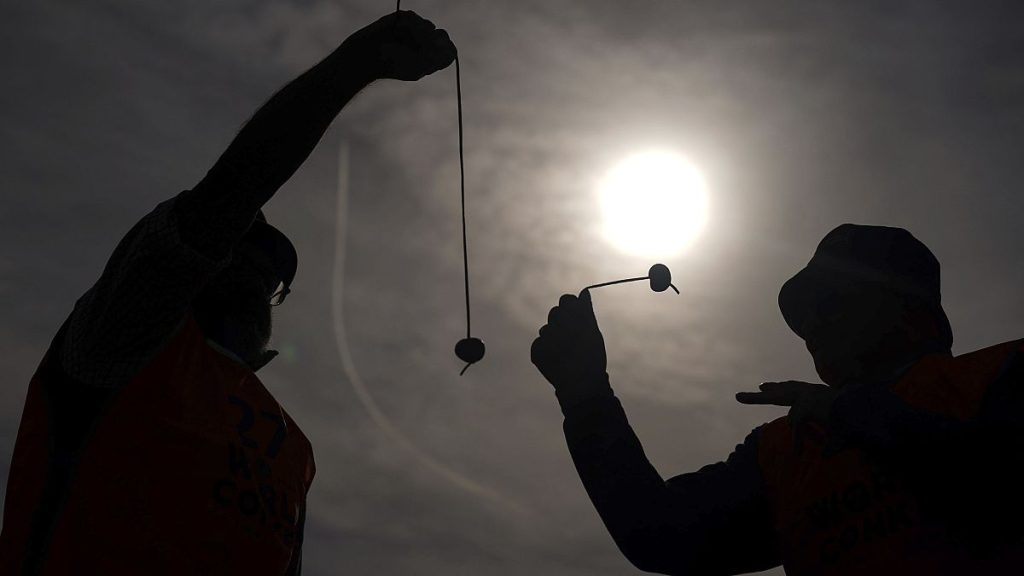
{"x":629,"y":495}
{"x":268,"y":150}
{"x":621,"y":482}
{"x":687,"y":525}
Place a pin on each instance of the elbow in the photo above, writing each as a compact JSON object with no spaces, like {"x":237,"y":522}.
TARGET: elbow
{"x":651,"y":550}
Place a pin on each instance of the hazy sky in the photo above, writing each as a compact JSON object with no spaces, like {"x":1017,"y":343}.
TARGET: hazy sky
{"x":802,"y":115}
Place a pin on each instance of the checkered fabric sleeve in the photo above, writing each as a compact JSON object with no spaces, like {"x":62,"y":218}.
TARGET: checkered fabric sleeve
{"x":139,"y":301}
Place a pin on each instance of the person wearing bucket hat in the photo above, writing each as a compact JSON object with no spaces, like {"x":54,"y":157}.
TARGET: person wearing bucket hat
{"x":147,"y":444}
{"x":868,"y":301}
{"x":907,"y":460}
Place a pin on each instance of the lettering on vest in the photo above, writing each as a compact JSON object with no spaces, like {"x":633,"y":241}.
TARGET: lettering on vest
{"x":854,"y":499}
{"x":250,"y":487}
{"x":881,"y":523}
{"x":860,"y":513}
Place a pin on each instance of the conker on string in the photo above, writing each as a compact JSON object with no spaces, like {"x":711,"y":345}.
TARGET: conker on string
{"x":660,"y":276}
{"x":470,"y":350}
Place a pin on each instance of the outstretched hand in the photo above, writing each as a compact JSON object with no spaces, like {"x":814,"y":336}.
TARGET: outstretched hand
{"x":570,"y":349}
{"x":403,"y":46}
{"x":807,"y":402}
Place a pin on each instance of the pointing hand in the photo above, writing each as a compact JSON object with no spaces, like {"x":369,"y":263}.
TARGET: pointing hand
{"x":806,"y":402}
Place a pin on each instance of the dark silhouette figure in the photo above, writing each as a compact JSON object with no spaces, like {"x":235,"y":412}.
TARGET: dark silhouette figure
{"x":147,"y":444}
{"x":908,"y":460}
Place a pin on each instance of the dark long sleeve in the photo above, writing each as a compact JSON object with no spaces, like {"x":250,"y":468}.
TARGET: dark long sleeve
{"x":268,"y":150}
{"x":712,"y":521}
{"x":967,"y":472}
{"x":165,"y":260}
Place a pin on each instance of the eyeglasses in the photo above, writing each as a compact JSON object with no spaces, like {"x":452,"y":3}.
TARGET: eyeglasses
{"x":282,"y":292}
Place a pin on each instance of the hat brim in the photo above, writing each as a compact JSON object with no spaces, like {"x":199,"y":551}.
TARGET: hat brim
{"x":797,"y":299}
{"x":272,"y":243}
{"x":801,"y":296}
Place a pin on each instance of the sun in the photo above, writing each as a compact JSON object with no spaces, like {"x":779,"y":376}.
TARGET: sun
{"x":654,"y":204}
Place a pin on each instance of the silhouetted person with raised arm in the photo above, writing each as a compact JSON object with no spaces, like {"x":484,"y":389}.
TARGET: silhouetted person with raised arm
{"x":147,"y":444}
{"x":907,"y":461}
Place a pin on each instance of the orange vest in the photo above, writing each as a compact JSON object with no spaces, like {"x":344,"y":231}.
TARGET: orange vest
{"x":841,"y":515}
{"x":191,"y":468}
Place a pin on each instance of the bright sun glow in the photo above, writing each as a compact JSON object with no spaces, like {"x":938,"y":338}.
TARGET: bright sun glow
{"x":654,"y":204}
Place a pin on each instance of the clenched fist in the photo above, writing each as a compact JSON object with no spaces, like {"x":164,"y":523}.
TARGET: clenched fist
{"x":570,"y":349}
{"x":403,"y":46}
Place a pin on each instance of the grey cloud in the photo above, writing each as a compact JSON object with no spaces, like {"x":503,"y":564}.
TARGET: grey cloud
{"x":803,"y":115}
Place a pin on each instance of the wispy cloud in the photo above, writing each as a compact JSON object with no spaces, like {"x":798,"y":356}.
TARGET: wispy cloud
{"x":801,"y":115}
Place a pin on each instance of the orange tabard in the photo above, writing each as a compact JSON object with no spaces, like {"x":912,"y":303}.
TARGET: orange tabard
{"x":191,"y":468}
{"x":841,"y":515}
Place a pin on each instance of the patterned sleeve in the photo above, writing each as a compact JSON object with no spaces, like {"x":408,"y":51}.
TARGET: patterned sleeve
{"x":139,"y":301}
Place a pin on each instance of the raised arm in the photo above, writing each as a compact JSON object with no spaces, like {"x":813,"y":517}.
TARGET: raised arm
{"x":713,"y":521}
{"x":282,"y":134}
{"x":164,"y":261}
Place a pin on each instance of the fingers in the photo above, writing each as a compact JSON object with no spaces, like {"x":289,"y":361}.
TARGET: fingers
{"x":581,"y":309}
{"x":568,"y":300}
{"x":566,"y":320}
{"x":808,"y":403}
{"x":406,"y":46}
{"x":801,"y":396}
{"x":556,"y":319}
{"x":553,"y":315}
{"x":443,"y":51}
{"x":408,"y":21}
{"x":538,"y":352}
{"x":783,"y":393}
{"x":415,"y":30}
{"x":551,"y":336}
{"x":760,"y":398}
{"x":587,"y":308}
{"x":772,"y":397}
{"x":785,"y":386}
{"x":569,"y":308}
{"x":573,"y":312}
